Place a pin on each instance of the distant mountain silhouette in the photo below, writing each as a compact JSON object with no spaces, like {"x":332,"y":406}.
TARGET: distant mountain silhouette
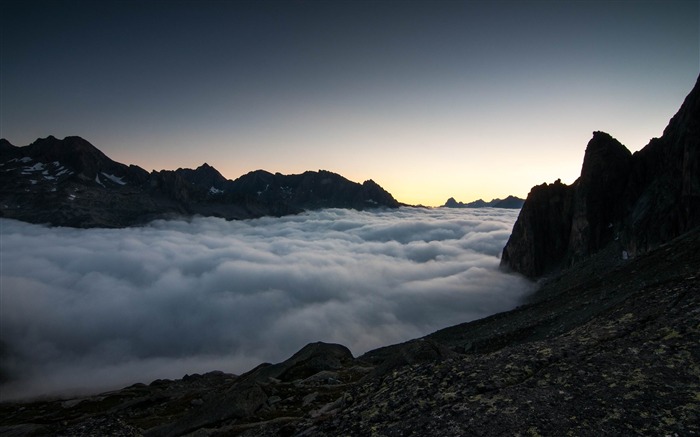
{"x":510,"y":202}
{"x":623,"y":204}
{"x":70,"y":182}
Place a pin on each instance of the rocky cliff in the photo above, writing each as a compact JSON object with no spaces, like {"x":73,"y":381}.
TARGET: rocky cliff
{"x":632,"y":202}
{"x":70,"y":182}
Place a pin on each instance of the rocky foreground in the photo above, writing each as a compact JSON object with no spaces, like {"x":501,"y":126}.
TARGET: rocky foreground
{"x":610,"y":347}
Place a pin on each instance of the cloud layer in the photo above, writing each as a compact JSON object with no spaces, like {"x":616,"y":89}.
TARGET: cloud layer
{"x":101,"y":308}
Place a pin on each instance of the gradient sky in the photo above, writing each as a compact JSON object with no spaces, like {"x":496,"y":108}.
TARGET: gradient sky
{"x":431,"y":99}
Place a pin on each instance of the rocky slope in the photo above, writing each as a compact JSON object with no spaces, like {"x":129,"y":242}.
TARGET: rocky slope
{"x":633,"y":202}
{"x":70,"y":182}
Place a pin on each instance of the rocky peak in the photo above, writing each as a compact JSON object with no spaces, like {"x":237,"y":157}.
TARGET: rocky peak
{"x":451,"y":203}
{"x":373,"y":194}
{"x":539,"y":240}
{"x":310,"y":360}
{"x":204,"y":176}
{"x":683,"y":129}
{"x":256,"y":180}
{"x":77,"y":154}
{"x":510,"y":202}
{"x":632,"y":202}
{"x":597,"y":205}
{"x":604,"y":155}
{"x":5,"y":145}
{"x":8,"y":151}
{"x":70,"y":182}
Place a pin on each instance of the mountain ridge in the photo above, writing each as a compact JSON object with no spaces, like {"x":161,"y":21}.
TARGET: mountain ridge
{"x":632,"y":201}
{"x":70,"y":182}
{"x":510,"y":202}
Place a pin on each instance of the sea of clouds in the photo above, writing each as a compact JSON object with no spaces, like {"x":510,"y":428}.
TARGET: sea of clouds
{"x":95,"y":309}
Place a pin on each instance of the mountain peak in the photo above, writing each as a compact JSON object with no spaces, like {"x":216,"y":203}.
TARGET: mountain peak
{"x":604,"y":154}
{"x":70,"y":182}
{"x":510,"y":202}
{"x":68,"y":145}
{"x":627,"y":203}
{"x":74,"y":152}
{"x":451,"y":203}
{"x":204,"y":176}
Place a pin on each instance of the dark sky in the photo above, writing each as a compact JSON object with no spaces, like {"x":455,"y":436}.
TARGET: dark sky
{"x":430,"y":99}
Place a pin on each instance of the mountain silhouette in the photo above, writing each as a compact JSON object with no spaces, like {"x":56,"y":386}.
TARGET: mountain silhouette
{"x":511,"y":202}
{"x":70,"y":182}
{"x":623,"y":204}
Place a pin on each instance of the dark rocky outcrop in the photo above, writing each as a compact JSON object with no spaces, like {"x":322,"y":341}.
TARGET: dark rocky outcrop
{"x":632,"y":202}
{"x":540,"y":236}
{"x":310,"y":360}
{"x":204,"y":176}
{"x":70,"y":182}
{"x":511,"y":202}
{"x":597,"y":194}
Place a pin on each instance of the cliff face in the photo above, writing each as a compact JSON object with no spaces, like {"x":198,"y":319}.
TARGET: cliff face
{"x":596,"y":197}
{"x":630,"y":203}
{"x":665,"y":184}
{"x":540,"y":235}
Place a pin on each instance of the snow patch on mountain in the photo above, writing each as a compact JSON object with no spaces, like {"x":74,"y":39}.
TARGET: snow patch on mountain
{"x":115,"y":179}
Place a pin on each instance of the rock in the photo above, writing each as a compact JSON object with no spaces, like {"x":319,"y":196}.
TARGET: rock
{"x":310,"y":360}
{"x":598,"y":194}
{"x":204,"y":176}
{"x":451,"y":203}
{"x":238,"y":402}
{"x":510,"y":202}
{"x":540,"y":236}
{"x":422,"y":350}
{"x":309,"y":398}
{"x":106,"y":425}
{"x":635,"y":202}
{"x":665,"y":182}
